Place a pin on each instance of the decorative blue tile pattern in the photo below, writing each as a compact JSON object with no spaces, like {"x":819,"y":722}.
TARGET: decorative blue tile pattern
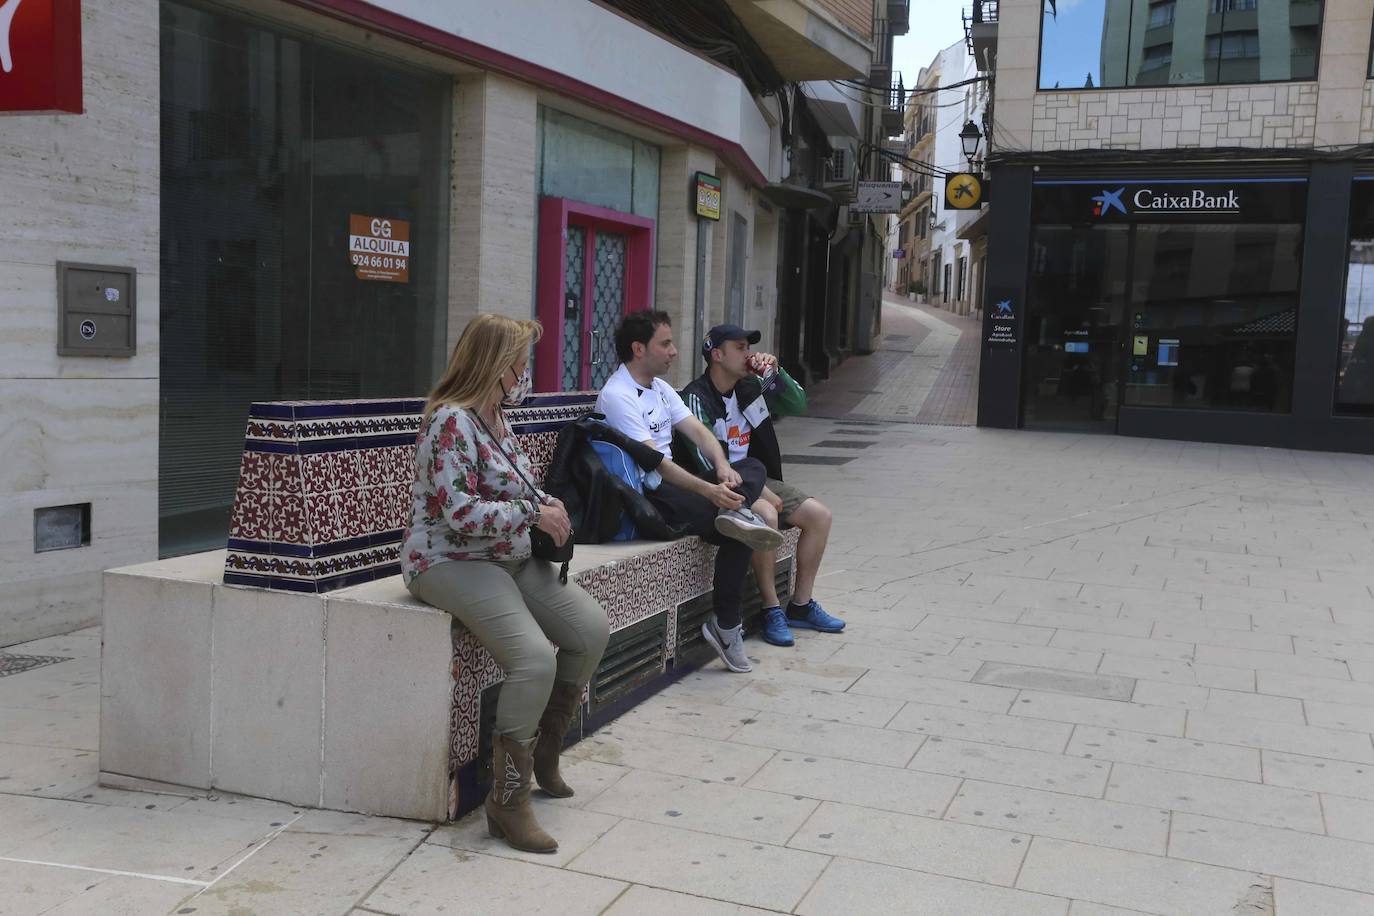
{"x":324,"y":486}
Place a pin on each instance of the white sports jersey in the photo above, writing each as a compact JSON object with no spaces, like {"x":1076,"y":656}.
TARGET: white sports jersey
{"x":643,"y":414}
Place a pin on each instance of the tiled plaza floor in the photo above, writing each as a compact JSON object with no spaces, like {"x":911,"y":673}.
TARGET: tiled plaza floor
{"x":1082,"y":676}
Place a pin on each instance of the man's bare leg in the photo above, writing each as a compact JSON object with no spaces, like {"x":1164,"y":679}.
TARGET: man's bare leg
{"x":813,"y":518}
{"x":765,"y":562}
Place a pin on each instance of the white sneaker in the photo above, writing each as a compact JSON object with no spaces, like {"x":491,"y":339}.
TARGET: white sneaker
{"x":747,"y":528}
{"x":729,"y":645}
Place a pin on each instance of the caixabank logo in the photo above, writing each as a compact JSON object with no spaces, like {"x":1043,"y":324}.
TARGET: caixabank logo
{"x":1145,"y":201}
{"x":1108,"y":201}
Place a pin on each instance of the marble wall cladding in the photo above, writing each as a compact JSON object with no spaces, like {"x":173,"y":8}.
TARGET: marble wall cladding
{"x":1343,"y":70}
{"x":64,"y":442}
{"x":492,"y":216}
{"x":79,"y":188}
{"x":676,"y":268}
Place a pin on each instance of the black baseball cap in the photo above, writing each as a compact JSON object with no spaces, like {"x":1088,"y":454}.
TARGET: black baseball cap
{"x":723,"y":332}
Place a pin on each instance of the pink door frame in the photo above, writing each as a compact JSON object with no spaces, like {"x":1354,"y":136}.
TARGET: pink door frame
{"x":555,"y":215}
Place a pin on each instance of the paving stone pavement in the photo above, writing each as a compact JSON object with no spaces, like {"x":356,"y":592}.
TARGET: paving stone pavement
{"x":1082,"y":676}
{"x":924,"y":370}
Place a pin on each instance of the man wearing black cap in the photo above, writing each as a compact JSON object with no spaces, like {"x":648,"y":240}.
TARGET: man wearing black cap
{"x":714,"y":504}
{"x":736,"y":398}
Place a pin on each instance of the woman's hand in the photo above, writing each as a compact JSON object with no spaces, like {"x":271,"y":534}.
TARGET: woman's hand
{"x":554,"y":521}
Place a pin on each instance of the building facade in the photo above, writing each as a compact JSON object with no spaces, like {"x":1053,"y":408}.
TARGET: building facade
{"x":914,"y":276}
{"x":1181,"y":227}
{"x":944,"y":250}
{"x":309,"y":200}
{"x":958,"y":249}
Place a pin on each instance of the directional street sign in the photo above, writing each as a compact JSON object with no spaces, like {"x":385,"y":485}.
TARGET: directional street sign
{"x":878,"y":197}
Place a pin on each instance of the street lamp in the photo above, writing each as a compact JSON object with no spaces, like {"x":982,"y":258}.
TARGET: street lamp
{"x":970,"y":137}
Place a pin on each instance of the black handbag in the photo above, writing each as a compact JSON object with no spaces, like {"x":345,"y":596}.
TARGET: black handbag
{"x":542,"y":544}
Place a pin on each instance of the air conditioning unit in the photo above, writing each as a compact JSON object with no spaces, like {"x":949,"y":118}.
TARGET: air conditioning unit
{"x":840,"y":168}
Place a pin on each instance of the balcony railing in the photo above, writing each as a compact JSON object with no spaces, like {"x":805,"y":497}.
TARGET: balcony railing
{"x":880,"y":70}
{"x":980,"y":31}
{"x":893,"y":114}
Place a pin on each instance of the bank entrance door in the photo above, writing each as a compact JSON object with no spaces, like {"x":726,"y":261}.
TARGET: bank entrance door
{"x":1194,"y":316}
{"x":1075,"y":316}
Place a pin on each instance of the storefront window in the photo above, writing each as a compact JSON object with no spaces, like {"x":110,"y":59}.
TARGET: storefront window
{"x":1165,"y":293}
{"x":1355,"y":353}
{"x":277,"y":149}
{"x":1075,"y":302}
{"x":1119,"y":43}
{"x":592,"y":164}
{"x":1214,"y":316}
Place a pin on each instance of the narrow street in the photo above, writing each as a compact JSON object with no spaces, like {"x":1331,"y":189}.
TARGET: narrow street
{"x":924,"y":370}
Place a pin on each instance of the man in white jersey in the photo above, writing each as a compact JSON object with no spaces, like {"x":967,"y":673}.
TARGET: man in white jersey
{"x":716,"y":504}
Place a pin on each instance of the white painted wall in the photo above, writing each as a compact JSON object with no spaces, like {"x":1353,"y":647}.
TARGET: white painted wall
{"x":955,"y":65}
{"x":598,"y":47}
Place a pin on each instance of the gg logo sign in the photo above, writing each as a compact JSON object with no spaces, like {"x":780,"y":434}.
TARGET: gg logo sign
{"x":379,"y":248}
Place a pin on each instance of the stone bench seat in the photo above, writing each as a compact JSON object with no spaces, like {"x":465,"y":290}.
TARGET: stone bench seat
{"x":343,"y":691}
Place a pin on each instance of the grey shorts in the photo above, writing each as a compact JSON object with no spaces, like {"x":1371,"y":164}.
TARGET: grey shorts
{"x":791,"y":498}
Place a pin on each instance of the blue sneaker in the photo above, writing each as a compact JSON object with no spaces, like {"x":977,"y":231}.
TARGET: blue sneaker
{"x":775,"y":631}
{"x":811,"y":616}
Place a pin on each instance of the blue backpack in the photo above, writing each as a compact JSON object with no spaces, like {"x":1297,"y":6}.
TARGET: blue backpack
{"x":617,"y":462}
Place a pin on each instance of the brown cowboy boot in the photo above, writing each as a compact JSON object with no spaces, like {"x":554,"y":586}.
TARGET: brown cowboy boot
{"x":553,"y":728}
{"x":509,"y":813}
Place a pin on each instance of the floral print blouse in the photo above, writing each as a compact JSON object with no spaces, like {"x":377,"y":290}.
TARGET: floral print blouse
{"x":468,"y":503}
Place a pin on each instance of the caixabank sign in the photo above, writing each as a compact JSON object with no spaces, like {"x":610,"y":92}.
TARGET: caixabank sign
{"x":1169,"y":200}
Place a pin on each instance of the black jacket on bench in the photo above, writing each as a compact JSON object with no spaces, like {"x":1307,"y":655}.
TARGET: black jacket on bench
{"x":594,"y":497}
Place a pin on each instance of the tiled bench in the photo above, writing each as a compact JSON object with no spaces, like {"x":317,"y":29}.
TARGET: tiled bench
{"x":295,"y":665}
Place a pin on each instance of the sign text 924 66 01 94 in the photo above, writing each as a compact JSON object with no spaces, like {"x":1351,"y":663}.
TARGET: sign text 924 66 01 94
{"x":379,"y":248}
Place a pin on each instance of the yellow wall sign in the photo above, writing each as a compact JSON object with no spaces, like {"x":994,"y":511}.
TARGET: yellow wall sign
{"x":707,"y":196}
{"x":1140,"y":346}
{"x":964,"y":191}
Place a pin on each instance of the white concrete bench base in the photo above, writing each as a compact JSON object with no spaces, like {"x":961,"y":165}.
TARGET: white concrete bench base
{"x":361,"y":699}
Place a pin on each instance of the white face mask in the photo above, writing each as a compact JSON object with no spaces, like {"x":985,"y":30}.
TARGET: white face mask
{"x":521,"y":390}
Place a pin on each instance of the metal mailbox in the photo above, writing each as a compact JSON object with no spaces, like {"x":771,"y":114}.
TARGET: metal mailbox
{"x":97,"y":310}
